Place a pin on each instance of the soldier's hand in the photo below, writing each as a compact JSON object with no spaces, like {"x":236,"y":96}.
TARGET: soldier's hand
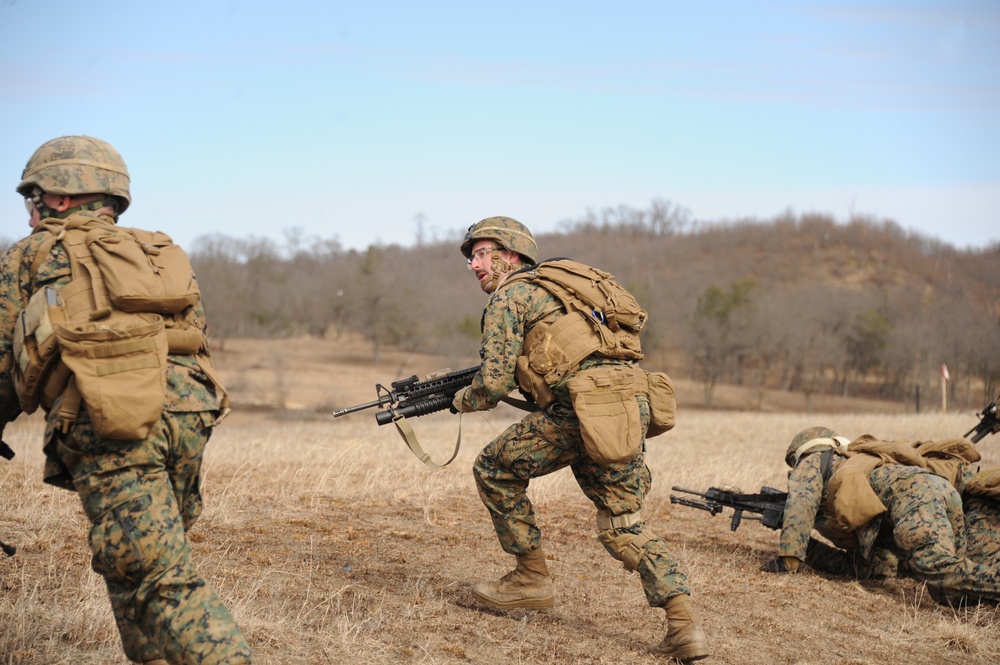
{"x":782,"y":564}
{"x":459,"y":405}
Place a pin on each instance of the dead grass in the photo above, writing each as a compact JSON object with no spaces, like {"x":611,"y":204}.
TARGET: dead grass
{"x":331,"y":543}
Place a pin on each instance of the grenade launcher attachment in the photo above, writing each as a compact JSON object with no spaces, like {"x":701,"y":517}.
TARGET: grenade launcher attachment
{"x":408,"y":398}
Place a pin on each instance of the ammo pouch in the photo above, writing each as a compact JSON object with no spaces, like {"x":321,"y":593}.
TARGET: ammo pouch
{"x":119,"y":365}
{"x":604,"y":401}
{"x":662,"y":404}
{"x":551,"y":352}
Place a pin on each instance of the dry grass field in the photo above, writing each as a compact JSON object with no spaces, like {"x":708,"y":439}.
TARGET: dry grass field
{"x":331,"y":543}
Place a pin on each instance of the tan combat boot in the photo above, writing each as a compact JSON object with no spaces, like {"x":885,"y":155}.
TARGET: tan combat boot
{"x":528,"y":585}
{"x":685,"y":638}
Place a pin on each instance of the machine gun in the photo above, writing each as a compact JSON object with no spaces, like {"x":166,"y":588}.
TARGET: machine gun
{"x":768,"y":506}
{"x":989,"y":423}
{"x":408,"y":398}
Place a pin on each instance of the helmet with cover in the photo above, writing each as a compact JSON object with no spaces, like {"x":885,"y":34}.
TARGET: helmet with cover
{"x":509,"y":233}
{"x":76,"y":165}
{"x":812,"y":440}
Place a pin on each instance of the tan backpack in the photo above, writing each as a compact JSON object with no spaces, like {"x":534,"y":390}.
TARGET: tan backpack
{"x":104,"y":337}
{"x":602,"y":319}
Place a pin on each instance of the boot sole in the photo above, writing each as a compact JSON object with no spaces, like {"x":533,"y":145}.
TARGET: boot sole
{"x":684,"y":655}
{"x":524,"y":603}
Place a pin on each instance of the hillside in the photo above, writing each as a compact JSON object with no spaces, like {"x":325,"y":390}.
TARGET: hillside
{"x":799,"y":305}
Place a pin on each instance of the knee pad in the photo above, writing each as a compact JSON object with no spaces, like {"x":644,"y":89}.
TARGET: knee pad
{"x":627,"y":547}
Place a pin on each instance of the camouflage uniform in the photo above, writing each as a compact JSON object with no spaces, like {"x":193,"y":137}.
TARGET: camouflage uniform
{"x":548,"y":440}
{"x":140,"y":496}
{"x":923,"y":525}
{"x":982,"y":521}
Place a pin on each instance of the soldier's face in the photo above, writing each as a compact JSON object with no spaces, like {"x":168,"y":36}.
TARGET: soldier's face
{"x":482,"y":264}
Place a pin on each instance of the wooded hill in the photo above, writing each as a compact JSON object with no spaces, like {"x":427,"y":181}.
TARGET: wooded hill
{"x":797,"y":303}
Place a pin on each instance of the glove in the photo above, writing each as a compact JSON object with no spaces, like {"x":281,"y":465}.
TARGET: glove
{"x":459,"y":405}
{"x":782,"y":564}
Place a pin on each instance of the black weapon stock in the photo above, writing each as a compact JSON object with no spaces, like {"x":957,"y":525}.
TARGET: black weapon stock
{"x":767,"y":506}
{"x":988,"y":422}
{"x":408,"y":398}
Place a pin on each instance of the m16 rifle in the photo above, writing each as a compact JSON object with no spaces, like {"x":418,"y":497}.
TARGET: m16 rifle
{"x":767,"y":506}
{"x":989,"y":423}
{"x":408,"y":398}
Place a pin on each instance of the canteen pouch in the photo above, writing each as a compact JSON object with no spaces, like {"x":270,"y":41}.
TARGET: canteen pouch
{"x":119,"y":366}
{"x":662,"y":404}
{"x":143,"y":271}
{"x":610,"y":424}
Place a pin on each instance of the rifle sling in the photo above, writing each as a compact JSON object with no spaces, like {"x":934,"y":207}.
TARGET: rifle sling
{"x":410,"y":437}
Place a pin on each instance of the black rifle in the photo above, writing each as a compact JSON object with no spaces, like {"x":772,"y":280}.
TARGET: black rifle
{"x":408,"y":398}
{"x":988,"y":422}
{"x":768,"y":506}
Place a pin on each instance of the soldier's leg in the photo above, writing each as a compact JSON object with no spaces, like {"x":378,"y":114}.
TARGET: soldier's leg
{"x":141,"y":549}
{"x":533,"y":447}
{"x":618,"y":492}
{"x":929,"y":529}
{"x":982,"y":526}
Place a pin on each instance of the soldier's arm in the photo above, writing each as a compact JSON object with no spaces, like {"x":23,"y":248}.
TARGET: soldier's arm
{"x":805,"y":493}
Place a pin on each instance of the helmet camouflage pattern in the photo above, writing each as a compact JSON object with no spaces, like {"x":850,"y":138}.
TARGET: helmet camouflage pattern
{"x":824,"y":439}
{"x":75,"y":165}
{"x":509,"y":233}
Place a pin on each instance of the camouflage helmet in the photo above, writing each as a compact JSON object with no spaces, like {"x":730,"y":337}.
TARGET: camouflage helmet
{"x":511,"y":234}
{"x":75,"y":165}
{"x":823,"y":437}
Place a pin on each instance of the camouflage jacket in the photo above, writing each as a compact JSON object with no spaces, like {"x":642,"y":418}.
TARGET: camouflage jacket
{"x":187,"y":388}
{"x":510,"y":315}
{"x":807,"y":494}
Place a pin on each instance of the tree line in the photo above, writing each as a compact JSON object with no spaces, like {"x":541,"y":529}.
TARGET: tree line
{"x":798,"y":302}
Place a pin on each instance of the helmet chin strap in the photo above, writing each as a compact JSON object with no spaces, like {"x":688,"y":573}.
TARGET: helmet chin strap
{"x":500,"y":267}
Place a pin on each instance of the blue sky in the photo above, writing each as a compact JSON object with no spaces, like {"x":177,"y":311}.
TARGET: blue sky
{"x":349,"y":121}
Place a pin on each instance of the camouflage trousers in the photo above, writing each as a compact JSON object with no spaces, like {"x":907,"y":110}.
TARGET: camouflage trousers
{"x":547,"y":441}
{"x":928,"y":532}
{"x":141,"y":497}
{"x":982,"y":530}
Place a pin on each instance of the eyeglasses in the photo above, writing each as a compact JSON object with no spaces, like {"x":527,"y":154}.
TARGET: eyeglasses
{"x":480,"y":254}
{"x":29,"y":205}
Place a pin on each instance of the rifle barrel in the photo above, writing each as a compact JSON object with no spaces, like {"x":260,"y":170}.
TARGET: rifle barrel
{"x":359,"y":407}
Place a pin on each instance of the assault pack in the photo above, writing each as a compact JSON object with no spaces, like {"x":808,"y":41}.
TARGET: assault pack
{"x":103,"y":338}
{"x":602,"y":319}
